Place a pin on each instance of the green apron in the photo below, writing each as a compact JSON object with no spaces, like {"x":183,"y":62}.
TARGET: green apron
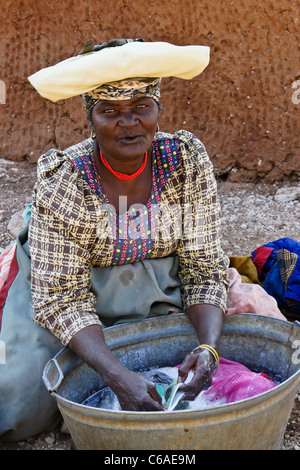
{"x":127,"y":293}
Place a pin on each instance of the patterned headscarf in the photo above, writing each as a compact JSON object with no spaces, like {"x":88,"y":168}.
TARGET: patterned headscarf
{"x":122,"y":90}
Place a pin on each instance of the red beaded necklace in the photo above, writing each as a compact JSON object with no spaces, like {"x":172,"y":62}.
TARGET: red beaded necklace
{"x":123,"y":176}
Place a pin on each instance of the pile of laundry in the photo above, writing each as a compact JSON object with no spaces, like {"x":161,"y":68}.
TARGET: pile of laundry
{"x":267,"y":282}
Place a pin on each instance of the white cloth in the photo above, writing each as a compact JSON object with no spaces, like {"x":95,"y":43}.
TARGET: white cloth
{"x":84,"y":73}
{"x":249,"y":298}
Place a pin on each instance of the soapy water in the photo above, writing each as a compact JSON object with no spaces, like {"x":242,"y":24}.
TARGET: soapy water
{"x":201,"y":402}
{"x":106,"y":398}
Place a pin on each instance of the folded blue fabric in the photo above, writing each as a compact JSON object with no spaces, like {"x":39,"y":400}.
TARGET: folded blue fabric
{"x":281,"y":272}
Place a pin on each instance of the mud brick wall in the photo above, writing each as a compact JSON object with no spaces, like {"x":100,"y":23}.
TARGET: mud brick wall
{"x":244,"y":107}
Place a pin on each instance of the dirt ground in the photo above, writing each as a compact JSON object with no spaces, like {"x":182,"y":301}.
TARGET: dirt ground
{"x":252,"y":215}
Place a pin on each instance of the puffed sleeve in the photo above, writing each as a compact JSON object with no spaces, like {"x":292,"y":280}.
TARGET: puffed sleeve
{"x":61,"y":235}
{"x":202,"y":262}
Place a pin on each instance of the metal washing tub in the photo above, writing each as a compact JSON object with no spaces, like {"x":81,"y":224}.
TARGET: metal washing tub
{"x":269,"y":345}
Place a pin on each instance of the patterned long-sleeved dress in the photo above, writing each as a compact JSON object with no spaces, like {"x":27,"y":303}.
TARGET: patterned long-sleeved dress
{"x":73,"y":227}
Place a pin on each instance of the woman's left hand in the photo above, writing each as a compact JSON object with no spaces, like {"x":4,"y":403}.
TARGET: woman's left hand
{"x":202,"y":363}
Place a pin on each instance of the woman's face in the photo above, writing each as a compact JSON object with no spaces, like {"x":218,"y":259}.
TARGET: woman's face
{"x":125,"y":129}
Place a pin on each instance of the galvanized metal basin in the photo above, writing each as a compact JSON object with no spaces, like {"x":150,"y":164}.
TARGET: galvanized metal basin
{"x":255,"y":423}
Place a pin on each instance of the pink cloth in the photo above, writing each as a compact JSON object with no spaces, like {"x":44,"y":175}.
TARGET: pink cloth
{"x":8,"y":271}
{"x":249,"y":298}
{"x":233,"y":382}
{"x":5,"y":263}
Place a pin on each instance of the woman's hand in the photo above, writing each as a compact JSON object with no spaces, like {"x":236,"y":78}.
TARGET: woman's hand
{"x":207,"y":321}
{"x":135,"y":393}
{"x":202,"y":364}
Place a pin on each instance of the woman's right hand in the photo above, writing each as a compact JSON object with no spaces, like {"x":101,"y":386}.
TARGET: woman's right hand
{"x":136,"y":393}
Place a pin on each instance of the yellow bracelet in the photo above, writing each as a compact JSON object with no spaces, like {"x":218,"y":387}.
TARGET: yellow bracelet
{"x":212,"y":350}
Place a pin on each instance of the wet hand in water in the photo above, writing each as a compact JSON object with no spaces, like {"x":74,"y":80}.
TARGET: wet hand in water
{"x":135,"y":393}
{"x":202,"y":364}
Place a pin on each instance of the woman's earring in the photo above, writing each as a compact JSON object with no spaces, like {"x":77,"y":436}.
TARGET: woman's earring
{"x":93,"y":135}
{"x":157,"y":127}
